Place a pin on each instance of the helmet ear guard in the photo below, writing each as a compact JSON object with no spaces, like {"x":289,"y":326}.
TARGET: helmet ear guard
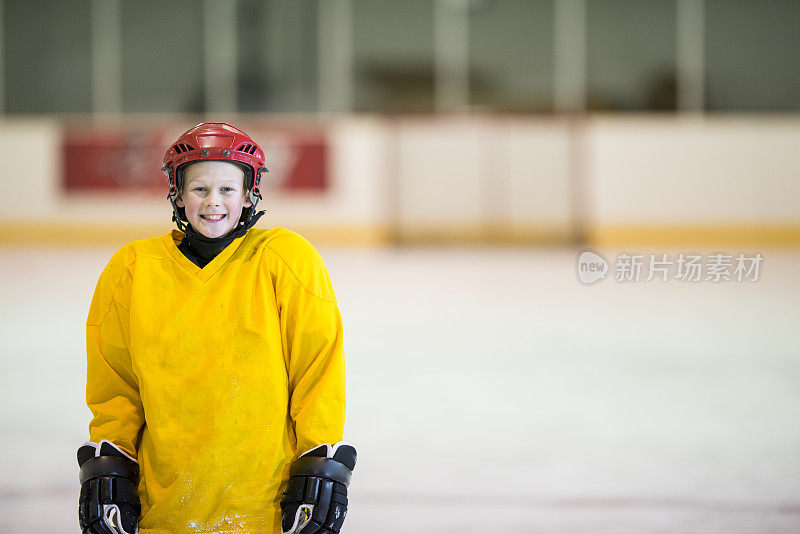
{"x":255,"y":186}
{"x":178,"y":213}
{"x":254,"y":194}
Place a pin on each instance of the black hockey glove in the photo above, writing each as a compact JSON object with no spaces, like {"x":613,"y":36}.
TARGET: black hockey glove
{"x":315,"y":500}
{"x":109,"y":503}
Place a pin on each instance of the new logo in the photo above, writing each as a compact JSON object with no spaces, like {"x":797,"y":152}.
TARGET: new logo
{"x":591,"y":267}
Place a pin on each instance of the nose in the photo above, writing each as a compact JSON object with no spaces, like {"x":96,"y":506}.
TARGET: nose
{"x":212,"y":199}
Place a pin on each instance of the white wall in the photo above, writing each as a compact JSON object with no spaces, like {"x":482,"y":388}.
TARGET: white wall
{"x":482,"y":174}
{"x":30,"y":152}
{"x":358,"y":171}
{"x":652,"y":171}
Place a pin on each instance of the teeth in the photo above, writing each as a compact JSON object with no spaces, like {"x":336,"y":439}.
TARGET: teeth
{"x":212,"y":217}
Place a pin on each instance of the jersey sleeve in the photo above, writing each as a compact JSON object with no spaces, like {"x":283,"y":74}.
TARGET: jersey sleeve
{"x":112,"y":391}
{"x":311,"y":328}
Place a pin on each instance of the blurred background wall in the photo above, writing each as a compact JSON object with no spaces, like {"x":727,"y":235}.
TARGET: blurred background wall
{"x":532,"y":121}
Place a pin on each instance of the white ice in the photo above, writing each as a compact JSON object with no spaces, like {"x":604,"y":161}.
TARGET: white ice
{"x":488,"y":391}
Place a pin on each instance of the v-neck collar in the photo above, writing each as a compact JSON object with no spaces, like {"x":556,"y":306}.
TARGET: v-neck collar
{"x":171,"y":241}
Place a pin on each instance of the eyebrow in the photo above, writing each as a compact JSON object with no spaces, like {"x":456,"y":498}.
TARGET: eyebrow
{"x":200,"y":181}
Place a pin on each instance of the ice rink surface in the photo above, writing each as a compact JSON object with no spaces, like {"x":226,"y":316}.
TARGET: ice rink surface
{"x":489,"y":391}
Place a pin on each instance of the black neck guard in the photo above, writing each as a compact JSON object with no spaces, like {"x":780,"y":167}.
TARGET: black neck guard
{"x":200,"y":249}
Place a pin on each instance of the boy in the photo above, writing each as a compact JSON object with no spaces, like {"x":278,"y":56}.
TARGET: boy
{"x":214,"y":355}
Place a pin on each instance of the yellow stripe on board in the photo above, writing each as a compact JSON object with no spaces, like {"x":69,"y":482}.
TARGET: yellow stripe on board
{"x":694,"y":235}
{"x":75,"y":234}
{"x":483,"y":234}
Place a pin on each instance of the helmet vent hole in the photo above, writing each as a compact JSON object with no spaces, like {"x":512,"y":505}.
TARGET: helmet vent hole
{"x":247,"y":148}
{"x":180,"y":148}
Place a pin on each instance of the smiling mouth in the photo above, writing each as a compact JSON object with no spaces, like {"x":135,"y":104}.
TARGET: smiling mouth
{"x":212,"y":218}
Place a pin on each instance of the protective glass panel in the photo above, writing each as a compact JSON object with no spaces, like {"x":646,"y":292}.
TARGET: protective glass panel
{"x":393,"y":55}
{"x":752,"y":52}
{"x":277,"y":55}
{"x":631,"y":53}
{"x":162,"y":56}
{"x":511,"y":54}
{"x":47,"y":56}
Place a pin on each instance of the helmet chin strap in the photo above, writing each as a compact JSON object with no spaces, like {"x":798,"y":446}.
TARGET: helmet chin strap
{"x":176,"y":217}
{"x":240,"y":230}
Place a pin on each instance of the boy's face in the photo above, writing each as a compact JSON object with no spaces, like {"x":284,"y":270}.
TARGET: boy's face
{"x":213,"y":196}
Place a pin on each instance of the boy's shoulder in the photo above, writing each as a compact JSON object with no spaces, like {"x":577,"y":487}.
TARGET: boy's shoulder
{"x":290,"y":245}
{"x":294,"y":256}
{"x":153,"y":247}
{"x":119,"y":268}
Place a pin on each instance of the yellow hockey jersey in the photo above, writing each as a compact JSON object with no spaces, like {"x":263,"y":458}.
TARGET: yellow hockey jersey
{"x":215,"y":379}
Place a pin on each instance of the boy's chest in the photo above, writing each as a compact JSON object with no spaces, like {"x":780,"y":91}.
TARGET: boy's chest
{"x":179,"y":324}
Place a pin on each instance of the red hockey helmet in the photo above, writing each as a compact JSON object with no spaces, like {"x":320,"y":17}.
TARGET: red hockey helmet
{"x":214,"y":141}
